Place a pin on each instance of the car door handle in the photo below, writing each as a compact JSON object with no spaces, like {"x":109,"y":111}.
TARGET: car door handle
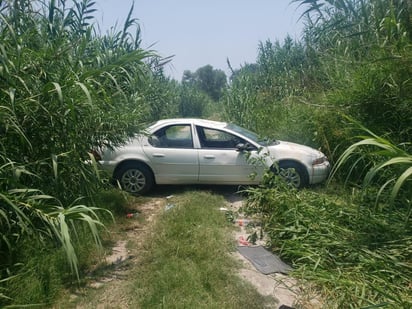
{"x":209,"y":157}
{"x":158,"y":155}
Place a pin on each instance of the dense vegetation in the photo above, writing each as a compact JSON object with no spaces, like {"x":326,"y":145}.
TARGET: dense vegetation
{"x":64,"y":89}
{"x":345,"y":87}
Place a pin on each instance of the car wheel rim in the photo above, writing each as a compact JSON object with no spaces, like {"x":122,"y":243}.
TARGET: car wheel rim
{"x":133,"y":181}
{"x":290,"y":176}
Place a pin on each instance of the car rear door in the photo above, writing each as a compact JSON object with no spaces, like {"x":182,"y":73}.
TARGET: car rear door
{"x":172,"y":155}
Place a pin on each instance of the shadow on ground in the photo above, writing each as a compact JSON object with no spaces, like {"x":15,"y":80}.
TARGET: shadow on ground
{"x":230,"y":192}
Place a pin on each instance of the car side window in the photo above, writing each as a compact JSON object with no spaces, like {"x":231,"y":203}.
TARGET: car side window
{"x":213,"y":138}
{"x":174,"y":136}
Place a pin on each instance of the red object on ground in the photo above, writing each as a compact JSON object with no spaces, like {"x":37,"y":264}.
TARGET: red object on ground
{"x":243,"y":241}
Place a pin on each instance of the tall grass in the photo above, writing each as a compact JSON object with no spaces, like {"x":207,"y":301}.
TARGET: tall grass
{"x":65,"y":89}
{"x":386,"y":165}
{"x":358,"y":257}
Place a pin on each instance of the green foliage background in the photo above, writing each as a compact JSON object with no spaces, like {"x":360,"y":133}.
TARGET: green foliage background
{"x":66,"y":88}
{"x":354,"y":58}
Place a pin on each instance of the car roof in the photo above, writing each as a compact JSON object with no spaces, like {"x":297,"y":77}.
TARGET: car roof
{"x":196,"y":121}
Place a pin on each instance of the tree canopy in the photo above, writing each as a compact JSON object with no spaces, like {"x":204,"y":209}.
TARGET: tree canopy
{"x":211,"y":81}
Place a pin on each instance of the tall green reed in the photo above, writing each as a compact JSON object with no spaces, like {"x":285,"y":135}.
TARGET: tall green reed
{"x":66,"y":88}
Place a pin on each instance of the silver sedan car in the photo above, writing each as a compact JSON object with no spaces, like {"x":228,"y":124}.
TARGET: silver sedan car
{"x":197,"y":151}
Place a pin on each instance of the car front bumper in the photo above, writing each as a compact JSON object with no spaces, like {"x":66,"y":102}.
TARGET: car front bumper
{"x":320,"y":172}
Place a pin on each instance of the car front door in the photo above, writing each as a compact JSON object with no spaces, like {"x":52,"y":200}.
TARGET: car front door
{"x":173,"y":157}
{"x":220,"y":162}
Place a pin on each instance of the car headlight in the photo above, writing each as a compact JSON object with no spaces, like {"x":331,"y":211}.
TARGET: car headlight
{"x":319,"y":160}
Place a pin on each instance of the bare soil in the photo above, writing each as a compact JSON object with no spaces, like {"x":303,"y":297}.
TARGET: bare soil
{"x":107,"y":285}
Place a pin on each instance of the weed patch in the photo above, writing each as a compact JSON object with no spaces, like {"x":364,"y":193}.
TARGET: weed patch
{"x":357,"y":256}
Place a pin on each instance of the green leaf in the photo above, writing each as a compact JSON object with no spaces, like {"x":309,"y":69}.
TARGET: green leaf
{"x":401,"y":180}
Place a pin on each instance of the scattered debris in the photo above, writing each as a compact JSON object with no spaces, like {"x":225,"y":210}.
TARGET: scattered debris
{"x":264,"y":261}
{"x":242,"y":241}
{"x":169,"y":206}
{"x":245,"y":222}
{"x":132,"y":215}
{"x":288,"y":292}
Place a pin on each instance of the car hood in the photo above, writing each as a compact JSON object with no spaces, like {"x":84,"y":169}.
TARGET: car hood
{"x":292,"y":150}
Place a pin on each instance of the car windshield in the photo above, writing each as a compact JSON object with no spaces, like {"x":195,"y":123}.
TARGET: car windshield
{"x":251,"y":135}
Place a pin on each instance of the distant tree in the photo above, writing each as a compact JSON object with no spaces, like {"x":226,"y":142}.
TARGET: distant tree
{"x":188,"y":78}
{"x":210,"y":81}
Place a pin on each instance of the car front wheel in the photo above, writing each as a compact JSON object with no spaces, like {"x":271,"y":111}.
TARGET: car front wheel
{"x":293,"y":174}
{"x":135,"y":178}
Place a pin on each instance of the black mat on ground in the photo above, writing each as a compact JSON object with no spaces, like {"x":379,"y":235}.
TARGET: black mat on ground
{"x":264,"y":261}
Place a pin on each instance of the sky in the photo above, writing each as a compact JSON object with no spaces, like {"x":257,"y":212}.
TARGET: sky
{"x":202,"y":32}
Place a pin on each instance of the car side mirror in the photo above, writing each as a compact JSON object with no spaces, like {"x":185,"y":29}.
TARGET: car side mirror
{"x":243,"y":147}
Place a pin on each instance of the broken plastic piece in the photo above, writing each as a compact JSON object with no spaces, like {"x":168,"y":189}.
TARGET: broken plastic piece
{"x":169,"y":206}
{"x":243,"y":222}
{"x":243,"y":241}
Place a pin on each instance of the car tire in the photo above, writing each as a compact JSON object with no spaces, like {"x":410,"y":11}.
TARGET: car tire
{"x":135,"y":178}
{"x":293,"y":173}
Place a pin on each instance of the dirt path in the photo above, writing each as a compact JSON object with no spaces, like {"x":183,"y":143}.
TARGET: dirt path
{"x":110,"y":281}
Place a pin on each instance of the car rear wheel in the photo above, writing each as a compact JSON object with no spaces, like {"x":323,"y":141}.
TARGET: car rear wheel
{"x":293,"y":174}
{"x":135,"y":178}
